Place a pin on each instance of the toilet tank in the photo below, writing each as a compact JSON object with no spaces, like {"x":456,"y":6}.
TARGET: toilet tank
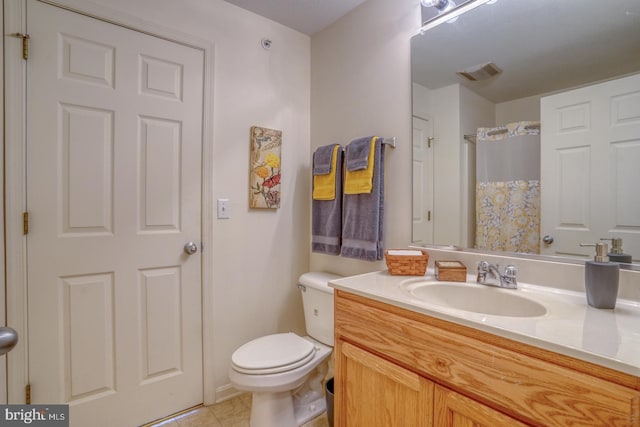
{"x":317,"y":301}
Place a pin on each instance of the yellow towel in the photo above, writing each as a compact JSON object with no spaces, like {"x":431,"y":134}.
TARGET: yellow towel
{"x":324,"y":186}
{"x":360,"y":181}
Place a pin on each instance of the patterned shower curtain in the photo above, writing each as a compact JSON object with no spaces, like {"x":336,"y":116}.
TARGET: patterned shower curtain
{"x":508,"y":188}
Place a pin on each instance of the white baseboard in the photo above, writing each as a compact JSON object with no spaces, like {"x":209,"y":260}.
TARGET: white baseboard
{"x":226,"y":392}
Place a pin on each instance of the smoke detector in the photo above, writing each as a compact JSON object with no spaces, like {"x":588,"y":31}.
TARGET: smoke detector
{"x":480,"y":72}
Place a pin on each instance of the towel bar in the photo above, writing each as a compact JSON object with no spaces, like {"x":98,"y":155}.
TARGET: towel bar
{"x":391,"y":142}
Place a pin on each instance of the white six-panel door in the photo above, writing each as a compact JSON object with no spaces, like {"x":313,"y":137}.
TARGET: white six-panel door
{"x":114,"y":145}
{"x":590,"y":167}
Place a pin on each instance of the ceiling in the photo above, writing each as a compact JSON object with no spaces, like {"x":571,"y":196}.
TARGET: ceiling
{"x":542,"y":46}
{"x":306,"y":16}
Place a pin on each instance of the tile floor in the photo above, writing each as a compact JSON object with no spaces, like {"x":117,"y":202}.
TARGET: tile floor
{"x":230,"y":413}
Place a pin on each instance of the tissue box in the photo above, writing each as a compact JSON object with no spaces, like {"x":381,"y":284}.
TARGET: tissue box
{"x":451,"y":271}
{"x":406,"y":262}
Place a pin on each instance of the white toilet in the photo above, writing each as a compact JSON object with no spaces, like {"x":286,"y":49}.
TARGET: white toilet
{"x":285,"y":371}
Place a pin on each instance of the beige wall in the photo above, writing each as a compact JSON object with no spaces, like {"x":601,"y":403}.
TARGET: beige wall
{"x":361,"y":85}
{"x":518,"y":110}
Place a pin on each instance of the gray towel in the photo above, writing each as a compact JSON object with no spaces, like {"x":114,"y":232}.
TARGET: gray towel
{"x":362,"y":216}
{"x":322,"y":159}
{"x":326,"y":217}
{"x":358,"y":154}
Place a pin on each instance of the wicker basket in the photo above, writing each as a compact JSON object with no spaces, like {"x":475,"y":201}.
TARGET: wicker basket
{"x":407,"y":265}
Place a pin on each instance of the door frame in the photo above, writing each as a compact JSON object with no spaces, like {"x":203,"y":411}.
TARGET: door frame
{"x":15,"y":186}
{"x":3,"y":288}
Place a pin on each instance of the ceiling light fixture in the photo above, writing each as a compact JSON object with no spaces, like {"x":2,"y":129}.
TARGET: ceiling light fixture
{"x":443,"y":6}
{"x":451,"y":14}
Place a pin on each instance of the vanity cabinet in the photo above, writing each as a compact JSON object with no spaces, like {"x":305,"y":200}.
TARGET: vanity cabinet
{"x":396,"y":367}
{"x":378,"y":392}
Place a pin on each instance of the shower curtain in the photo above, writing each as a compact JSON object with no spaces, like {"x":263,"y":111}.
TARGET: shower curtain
{"x":508,"y":188}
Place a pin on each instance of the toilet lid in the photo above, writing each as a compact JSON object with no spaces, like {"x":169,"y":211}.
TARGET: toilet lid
{"x":272,"y":354}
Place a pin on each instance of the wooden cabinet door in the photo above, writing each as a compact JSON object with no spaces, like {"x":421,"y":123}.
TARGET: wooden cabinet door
{"x":373,"y":392}
{"x":455,"y":410}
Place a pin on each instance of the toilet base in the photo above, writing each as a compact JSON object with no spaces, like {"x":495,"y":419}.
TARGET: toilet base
{"x":272,"y":409}
{"x":279,"y":410}
{"x":309,"y":411}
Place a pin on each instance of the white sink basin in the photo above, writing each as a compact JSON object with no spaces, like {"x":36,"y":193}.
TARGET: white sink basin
{"x":475,"y":298}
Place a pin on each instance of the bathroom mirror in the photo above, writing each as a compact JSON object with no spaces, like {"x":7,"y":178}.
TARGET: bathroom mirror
{"x":562,"y":72}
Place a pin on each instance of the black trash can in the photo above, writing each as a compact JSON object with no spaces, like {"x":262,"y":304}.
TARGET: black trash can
{"x":329,"y":396}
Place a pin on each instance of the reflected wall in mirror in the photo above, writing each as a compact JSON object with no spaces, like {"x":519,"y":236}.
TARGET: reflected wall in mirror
{"x":541,"y":152}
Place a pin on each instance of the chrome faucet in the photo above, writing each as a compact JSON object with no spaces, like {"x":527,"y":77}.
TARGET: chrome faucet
{"x":489,"y":274}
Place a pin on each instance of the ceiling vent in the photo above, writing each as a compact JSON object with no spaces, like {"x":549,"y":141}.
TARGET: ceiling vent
{"x":480,"y":72}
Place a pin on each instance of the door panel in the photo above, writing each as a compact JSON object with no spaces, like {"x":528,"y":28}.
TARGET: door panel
{"x":590,"y":151}
{"x":376,"y":392}
{"x":113,"y":189}
{"x":455,"y":410}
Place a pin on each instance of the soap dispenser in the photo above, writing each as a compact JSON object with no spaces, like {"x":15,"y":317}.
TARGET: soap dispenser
{"x":601,"y":278}
{"x":616,"y":254}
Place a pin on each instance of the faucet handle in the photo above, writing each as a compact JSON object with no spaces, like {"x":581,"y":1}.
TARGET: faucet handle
{"x":511,"y":271}
{"x":483,"y":266}
{"x":509,"y":281}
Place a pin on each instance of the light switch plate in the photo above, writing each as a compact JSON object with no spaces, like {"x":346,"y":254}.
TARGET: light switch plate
{"x":223,"y":209}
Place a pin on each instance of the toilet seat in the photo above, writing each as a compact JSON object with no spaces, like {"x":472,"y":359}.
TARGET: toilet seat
{"x":272,"y":354}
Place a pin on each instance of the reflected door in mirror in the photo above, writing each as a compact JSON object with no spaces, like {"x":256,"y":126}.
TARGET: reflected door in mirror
{"x":422,"y":180}
{"x":590,"y":174}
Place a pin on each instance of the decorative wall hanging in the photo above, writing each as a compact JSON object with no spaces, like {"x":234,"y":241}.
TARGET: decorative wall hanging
{"x":264,"y":181}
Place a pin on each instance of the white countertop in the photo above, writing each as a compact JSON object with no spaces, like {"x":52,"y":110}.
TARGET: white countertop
{"x":609,"y":338}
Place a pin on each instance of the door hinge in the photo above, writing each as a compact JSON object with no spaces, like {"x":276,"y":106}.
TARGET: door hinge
{"x":25,"y":223}
{"x":27,"y":394}
{"x":428,"y":215}
{"x":25,"y":44}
